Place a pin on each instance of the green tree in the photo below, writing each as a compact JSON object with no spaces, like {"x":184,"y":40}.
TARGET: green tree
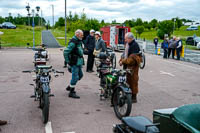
{"x":165,"y":27}
{"x":60,"y":22}
{"x":139,"y":29}
{"x":146,"y":25}
{"x":154,"y":23}
{"x":138,"y":22}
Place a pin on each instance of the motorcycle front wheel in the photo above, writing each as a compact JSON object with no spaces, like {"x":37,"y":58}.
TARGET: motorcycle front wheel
{"x":45,"y":108}
{"x":122,"y":103}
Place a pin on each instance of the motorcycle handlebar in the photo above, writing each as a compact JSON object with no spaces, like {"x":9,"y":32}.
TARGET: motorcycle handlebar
{"x":27,"y":71}
{"x":59,"y":72}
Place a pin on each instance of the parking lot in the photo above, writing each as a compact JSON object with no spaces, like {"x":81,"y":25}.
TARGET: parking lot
{"x":162,"y":84}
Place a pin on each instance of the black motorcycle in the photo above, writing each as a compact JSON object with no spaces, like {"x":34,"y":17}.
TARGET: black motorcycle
{"x":137,"y":124}
{"x":42,"y":90}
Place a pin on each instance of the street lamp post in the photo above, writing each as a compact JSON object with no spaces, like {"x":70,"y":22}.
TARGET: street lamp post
{"x":38,"y":9}
{"x":33,"y":24}
{"x":28,"y":9}
{"x":65,"y":22}
{"x":174,"y":25}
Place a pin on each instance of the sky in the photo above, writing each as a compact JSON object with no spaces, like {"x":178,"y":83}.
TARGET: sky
{"x":108,"y":10}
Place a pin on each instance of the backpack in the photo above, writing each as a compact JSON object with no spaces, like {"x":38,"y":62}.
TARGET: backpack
{"x":74,"y":55}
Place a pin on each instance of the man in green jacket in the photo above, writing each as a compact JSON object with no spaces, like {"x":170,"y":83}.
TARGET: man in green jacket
{"x":73,"y":55}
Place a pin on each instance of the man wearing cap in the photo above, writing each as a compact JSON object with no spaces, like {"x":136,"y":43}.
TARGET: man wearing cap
{"x":90,"y":45}
{"x":73,"y":55}
{"x":100,"y":44}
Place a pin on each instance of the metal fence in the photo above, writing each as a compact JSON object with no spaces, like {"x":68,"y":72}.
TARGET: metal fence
{"x":192,"y":56}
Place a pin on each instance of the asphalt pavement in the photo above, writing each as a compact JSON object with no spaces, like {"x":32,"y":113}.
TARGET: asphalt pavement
{"x":163,"y":84}
{"x":49,"y":40}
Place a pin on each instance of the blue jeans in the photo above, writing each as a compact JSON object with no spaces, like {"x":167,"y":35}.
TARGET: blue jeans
{"x":77,"y":74}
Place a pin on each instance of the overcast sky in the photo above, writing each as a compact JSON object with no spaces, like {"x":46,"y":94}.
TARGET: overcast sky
{"x":109,"y":10}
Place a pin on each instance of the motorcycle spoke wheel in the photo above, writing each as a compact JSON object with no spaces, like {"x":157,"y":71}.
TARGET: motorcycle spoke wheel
{"x":122,"y":103}
{"x":45,"y":109}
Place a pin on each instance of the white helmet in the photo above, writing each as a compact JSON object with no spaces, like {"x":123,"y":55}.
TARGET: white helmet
{"x":97,"y":33}
{"x":92,"y":31}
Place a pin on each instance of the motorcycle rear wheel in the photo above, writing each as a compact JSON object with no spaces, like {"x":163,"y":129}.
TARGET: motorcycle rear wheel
{"x":142,"y":64}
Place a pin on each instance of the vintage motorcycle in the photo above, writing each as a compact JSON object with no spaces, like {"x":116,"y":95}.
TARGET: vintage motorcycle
{"x":42,"y":90}
{"x":113,"y":85}
{"x":40,"y":57}
{"x":109,"y":56}
{"x":184,"y":119}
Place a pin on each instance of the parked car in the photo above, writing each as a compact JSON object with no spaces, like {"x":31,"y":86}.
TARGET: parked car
{"x":8,"y":25}
{"x":192,"y":41}
{"x":192,"y":27}
{"x":1,"y":26}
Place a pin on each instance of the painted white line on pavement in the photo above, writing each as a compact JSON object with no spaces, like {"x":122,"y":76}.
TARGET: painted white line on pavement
{"x":180,"y":64}
{"x":68,"y":132}
{"x":166,"y":73}
{"x":48,"y":128}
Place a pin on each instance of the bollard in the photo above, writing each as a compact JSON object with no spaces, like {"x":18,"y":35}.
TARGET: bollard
{"x":158,"y":51}
{"x":183,"y":52}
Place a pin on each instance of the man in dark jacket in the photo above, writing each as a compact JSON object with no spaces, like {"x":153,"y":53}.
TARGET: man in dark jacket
{"x":172,"y":46}
{"x":132,"y":60}
{"x":165,"y":46}
{"x":90,"y":45}
{"x":178,"y":47}
{"x":155,"y":41}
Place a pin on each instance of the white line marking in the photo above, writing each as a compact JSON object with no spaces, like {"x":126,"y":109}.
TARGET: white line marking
{"x":68,"y":132}
{"x":180,"y":64}
{"x":48,"y":128}
{"x":166,"y":73}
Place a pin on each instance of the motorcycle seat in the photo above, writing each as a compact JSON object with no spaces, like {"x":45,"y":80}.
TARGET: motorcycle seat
{"x":140,"y":124}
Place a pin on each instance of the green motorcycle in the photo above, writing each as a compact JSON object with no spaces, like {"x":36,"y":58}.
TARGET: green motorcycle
{"x":114,"y":86}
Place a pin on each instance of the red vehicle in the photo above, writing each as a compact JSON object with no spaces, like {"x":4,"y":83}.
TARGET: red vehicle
{"x":114,"y":36}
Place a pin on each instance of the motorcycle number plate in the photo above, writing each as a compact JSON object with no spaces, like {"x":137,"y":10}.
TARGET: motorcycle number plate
{"x":122,"y":79}
{"x":44,"y":79}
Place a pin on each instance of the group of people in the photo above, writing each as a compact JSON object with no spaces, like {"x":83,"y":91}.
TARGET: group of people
{"x":73,"y":56}
{"x":94,"y":44}
{"x":170,"y":46}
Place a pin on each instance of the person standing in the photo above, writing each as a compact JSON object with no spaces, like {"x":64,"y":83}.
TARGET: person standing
{"x":132,"y":61}
{"x":73,"y":55}
{"x":179,"y":47}
{"x":2,"y":123}
{"x":90,"y":45}
{"x":165,"y":45}
{"x":172,"y":46}
{"x":155,"y":41}
{"x":100,"y":45}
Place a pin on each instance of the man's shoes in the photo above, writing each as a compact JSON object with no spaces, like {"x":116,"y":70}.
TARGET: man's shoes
{"x":134,"y":98}
{"x":3,"y":122}
{"x":68,"y":88}
{"x":90,"y":71}
{"x":72,"y":94}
